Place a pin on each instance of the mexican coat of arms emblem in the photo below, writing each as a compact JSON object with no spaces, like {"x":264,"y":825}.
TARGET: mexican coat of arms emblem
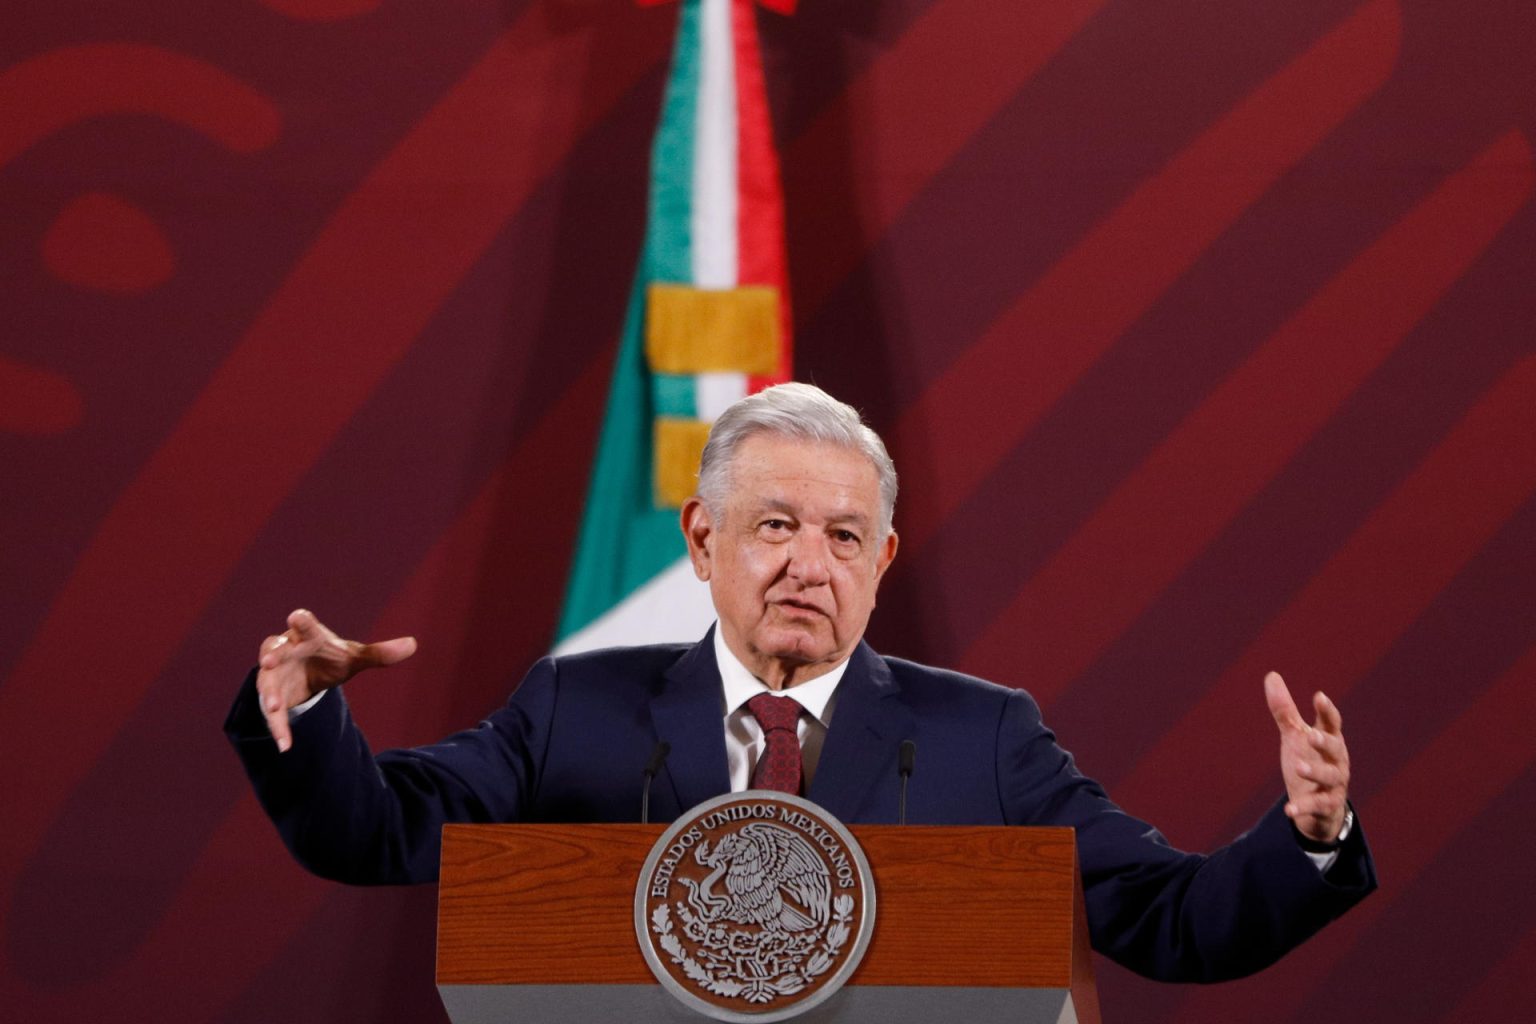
{"x":754,"y":906}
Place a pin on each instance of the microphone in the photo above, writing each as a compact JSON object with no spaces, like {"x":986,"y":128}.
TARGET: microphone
{"x":658,"y":758}
{"x":905,"y":756}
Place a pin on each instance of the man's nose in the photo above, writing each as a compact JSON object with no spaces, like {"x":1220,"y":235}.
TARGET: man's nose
{"x":808,"y":559}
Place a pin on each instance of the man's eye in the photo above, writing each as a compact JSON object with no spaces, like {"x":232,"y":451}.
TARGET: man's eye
{"x":845,"y":537}
{"x":775,"y":524}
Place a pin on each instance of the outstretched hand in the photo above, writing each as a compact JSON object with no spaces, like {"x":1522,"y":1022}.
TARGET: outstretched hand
{"x":307,"y":659}
{"x":1313,"y":761}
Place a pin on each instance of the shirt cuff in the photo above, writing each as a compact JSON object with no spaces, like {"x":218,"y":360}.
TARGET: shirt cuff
{"x":299,"y":709}
{"x":1325,"y":859}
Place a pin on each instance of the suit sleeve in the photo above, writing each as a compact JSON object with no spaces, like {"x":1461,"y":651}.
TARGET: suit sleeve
{"x":353,"y":817}
{"x":1162,"y":912}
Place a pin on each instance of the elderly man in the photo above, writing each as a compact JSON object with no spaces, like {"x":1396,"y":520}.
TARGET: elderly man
{"x":791,"y":527}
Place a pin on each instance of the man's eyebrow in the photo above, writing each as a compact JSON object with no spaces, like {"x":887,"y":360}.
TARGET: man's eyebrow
{"x":850,"y":518}
{"x":785,"y":507}
{"x":778,"y":505}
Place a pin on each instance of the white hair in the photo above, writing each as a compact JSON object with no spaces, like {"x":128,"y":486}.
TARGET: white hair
{"x":793,"y":410}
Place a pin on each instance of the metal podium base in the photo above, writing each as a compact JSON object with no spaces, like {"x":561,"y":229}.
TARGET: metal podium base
{"x":854,"y":1004}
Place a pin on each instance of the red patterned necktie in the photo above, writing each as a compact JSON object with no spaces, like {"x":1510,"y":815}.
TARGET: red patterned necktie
{"x":778,"y":767}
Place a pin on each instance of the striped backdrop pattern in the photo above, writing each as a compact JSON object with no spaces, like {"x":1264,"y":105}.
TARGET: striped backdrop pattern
{"x":1201,"y":335}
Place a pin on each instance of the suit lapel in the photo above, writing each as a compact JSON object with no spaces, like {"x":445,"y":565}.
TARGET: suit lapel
{"x":687,"y":715}
{"x":868,"y":725}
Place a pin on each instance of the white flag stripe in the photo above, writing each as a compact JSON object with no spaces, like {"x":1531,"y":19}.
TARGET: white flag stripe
{"x":715,"y":189}
{"x":713,"y":393}
{"x":673,"y":606}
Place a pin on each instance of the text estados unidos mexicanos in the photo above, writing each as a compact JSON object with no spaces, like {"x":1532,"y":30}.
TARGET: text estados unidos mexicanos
{"x":810,"y":827}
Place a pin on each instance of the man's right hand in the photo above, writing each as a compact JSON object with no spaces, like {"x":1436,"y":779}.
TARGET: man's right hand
{"x":307,"y":659}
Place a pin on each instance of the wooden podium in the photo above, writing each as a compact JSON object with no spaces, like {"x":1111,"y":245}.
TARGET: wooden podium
{"x":536,"y":924}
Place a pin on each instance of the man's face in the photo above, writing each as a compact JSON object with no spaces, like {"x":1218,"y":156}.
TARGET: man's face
{"x":795,"y":562}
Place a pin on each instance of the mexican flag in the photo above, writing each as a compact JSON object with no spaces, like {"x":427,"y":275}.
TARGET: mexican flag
{"x":708,"y":323}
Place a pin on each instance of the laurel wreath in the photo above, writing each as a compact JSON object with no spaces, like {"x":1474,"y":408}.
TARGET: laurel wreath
{"x":717,"y":946}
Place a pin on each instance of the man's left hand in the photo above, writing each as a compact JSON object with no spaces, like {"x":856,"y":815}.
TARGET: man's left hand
{"x":1313,"y":761}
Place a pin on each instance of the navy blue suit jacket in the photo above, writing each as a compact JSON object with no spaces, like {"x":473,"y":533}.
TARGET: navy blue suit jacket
{"x":570,"y":743}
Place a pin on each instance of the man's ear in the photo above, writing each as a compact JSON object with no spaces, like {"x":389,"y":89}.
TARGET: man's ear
{"x":699,"y":532}
{"x":885,"y":556}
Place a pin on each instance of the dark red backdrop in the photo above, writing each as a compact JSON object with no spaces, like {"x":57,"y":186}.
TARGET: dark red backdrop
{"x":1201,"y":331}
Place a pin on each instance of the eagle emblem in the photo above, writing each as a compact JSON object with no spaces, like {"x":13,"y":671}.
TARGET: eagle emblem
{"x":755,"y":905}
{"x":773,"y":879}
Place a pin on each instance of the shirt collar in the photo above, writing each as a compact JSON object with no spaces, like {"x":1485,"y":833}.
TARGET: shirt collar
{"x":741,"y":685}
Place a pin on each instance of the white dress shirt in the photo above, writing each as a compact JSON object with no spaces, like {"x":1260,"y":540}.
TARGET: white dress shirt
{"x":743,"y":735}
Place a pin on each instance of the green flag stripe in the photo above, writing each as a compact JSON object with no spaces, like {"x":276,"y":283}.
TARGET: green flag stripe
{"x":624,"y":539}
{"x":668,"y":253}
{"x":675,"y":395}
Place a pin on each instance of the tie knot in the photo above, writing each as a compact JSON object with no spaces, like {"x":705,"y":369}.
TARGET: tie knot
{"x":774,"y":712}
